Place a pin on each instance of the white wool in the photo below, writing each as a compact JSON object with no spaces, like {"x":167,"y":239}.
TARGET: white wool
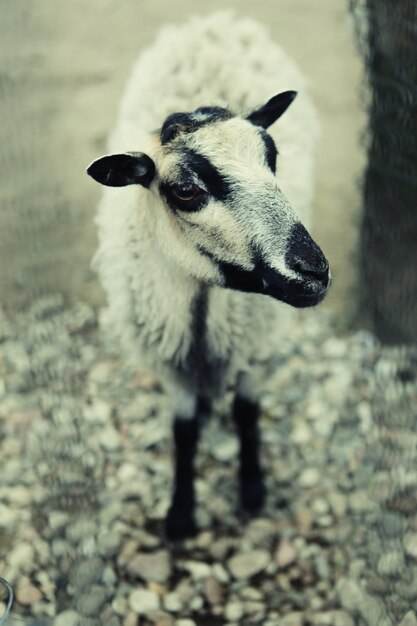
{"x":215,"y":60}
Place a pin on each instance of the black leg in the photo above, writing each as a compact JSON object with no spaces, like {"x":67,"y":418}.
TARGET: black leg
{"x":252,"y":489}
{"x":180,"y":518}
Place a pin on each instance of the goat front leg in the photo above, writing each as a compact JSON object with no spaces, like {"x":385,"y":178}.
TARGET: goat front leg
{"x":179,"y":522}
{"x":246,"y":415}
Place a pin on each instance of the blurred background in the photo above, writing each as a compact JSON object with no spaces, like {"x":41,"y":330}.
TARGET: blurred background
{"x":63,"y":71}
{"x":85,"y":443}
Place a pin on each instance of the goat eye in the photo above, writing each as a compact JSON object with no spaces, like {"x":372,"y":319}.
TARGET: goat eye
{"x":185,"y":192}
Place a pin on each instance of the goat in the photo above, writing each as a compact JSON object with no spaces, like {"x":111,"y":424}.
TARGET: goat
{"x":199,"y":242}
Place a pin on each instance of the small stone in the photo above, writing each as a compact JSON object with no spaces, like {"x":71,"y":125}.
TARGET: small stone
{"x":359,"y":501}
{"x":110,"y":439}
{"x":119,"y":605}
{"x":248,"y":564}
{"x":108,"y":544}
{"x":220,"y":573}
{"x":98,"y":412}
{"x":90,"y":603}
{"x":213,"y":591}
{"x":220,"y":548}
{"x":285,"y":554}
{"x":391,"y":523}
{"x":143,"y":601}
{"x":131,"y":619}
{"x":391,"y":564}
{"x":410,"y":619}
{"x":109,"y":577}
{"x":198,"y":570}
{"x":22,"y":557}
{"x":233,"y":611}
{"x":338,"y":503}
{"x":226,"y":449}
{"x":332,"y":618}
{"x":57,"y":520}
{"x":410,"y":544}
{"x":67,"y":618}
{"x":309,"y":477}
{"x":292,"y":619}
{"x":354,"y":598}
{"x":261,"y":533}
{"x":28,"y":594}
{"x":172,"y":602}
{"x":196,"y":603}
{"x":20,"y":495}
{"x":154,"y":566}
{"x":301,"y":433}
{"x":8,"y":517}
{"x":185,"y":622}
{"x":86,"y":573}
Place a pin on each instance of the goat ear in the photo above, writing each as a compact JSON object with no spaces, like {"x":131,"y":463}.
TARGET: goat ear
{"x":268,"y":113}
{"x":119,"y":170}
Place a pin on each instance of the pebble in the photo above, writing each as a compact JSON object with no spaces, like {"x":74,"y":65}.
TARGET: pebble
{"x":248,"y":564}
{"x":292,"y":619}
{"x":309,"y":477}
{"x":67,"y":618}
{"x":233,"y":611}
{"x":198,"y":570}
{"x":8,"y":517}
{"x":410,"y":544}
{"x":154,"y":566}
{"x":391,"y":564}
{"x":226,"y":449}
{"x":22,"y":557}
{"x":213,"y":591}
{"x":285,"y":555}
{"x":91,"y":602}
{"x":143,"y":601}
{"x":27,"y":594}
{"x":86,"y":572}
{"x":410,"y":619}
{"x":172,"y":602}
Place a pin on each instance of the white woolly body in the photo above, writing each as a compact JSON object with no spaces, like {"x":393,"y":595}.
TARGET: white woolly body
{"x":143,"y":258}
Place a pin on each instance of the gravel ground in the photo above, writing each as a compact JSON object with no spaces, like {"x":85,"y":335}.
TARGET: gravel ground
{"x":86,"y":473}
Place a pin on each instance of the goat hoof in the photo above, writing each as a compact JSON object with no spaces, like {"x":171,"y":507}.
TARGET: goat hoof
{"x":252,"y":495}
{"x":179,"y":524}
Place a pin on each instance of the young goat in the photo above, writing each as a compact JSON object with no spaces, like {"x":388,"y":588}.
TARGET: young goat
{"x":202,"y":242}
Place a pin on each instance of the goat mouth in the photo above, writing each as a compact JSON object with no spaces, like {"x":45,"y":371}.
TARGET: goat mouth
{"x":301,"y":292}
{"x":294,"y":293}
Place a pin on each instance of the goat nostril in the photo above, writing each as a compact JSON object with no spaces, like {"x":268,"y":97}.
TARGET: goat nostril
{"x":319,"y":272}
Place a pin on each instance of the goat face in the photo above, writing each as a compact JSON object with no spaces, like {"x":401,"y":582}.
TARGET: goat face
{"x":215,"y":173}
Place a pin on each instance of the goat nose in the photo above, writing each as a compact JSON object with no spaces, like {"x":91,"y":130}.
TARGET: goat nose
{"x":305,"y":257}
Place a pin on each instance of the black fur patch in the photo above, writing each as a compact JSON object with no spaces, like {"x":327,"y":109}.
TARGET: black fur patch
{"x":198,"y":329}
{"x":192,"y":162}
{"x":216,"y":184}
{"x":190,"y":122}
{"x":271,"y":151}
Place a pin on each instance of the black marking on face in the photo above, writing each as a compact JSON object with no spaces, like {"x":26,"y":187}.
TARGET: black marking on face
{"x":190,"y":122}
{"x":265,"y":280}
{"x":271,"y":151}
{"x":216,"y":183}
{"x":192,"y":165}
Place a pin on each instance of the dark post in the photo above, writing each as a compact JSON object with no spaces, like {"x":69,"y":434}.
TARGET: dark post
{"x":388,"y":248}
